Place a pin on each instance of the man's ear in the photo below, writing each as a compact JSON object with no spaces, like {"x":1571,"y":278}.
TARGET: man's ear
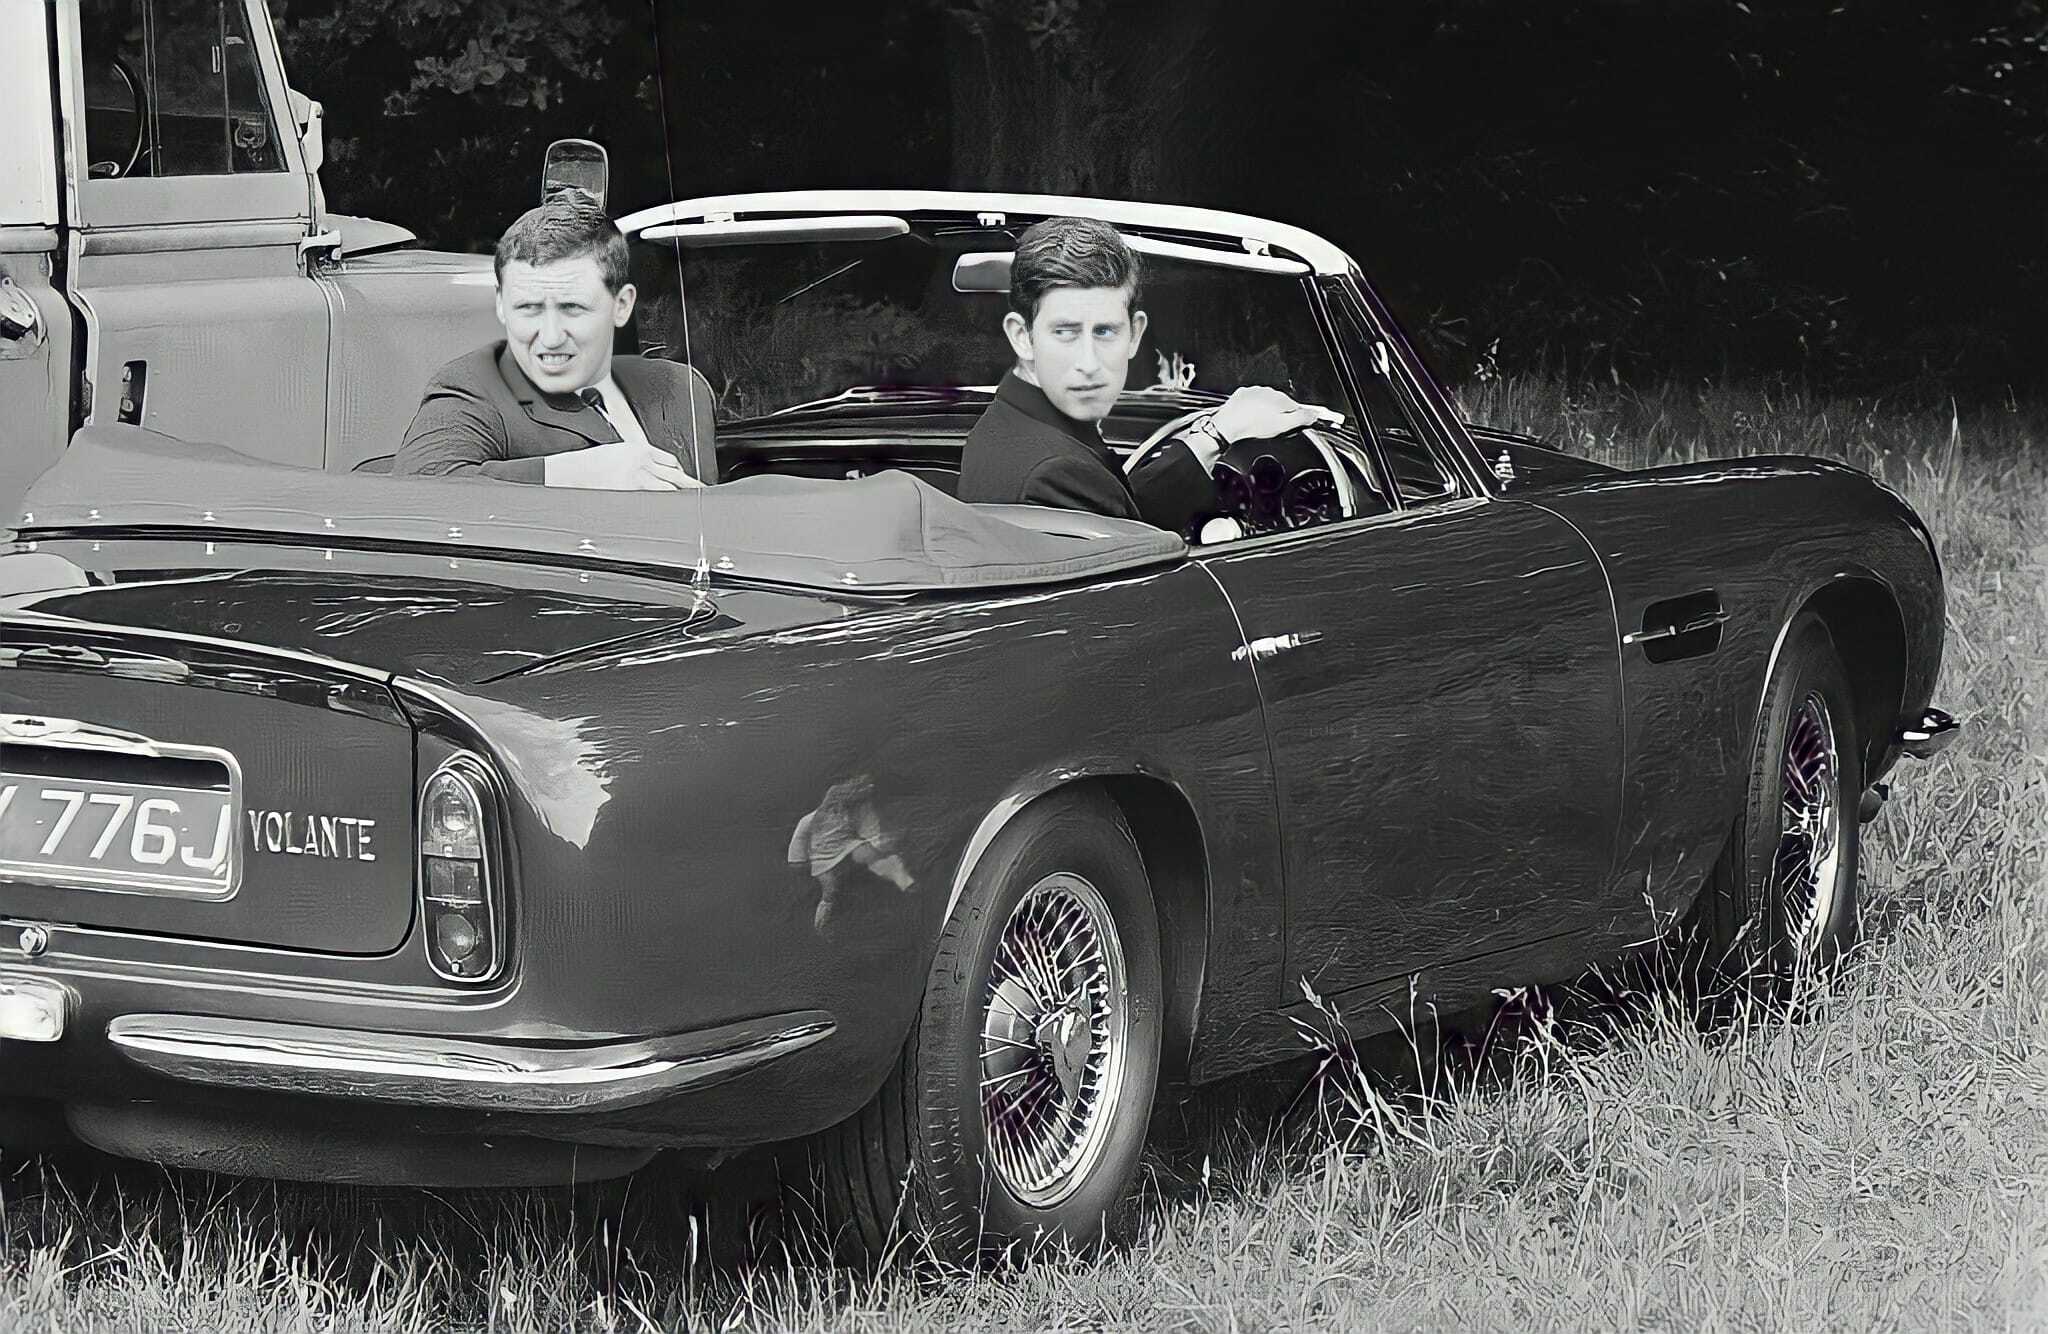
{"x":498,"y":304}
{"x":622,"y":304}
{"x":1019,"y":334}
{"x":1137,"y":327}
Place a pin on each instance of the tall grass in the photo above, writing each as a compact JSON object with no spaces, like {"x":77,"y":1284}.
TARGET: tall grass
{"x":1881,"y":1164}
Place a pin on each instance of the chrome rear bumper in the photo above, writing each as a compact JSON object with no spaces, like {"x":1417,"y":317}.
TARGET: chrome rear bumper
{"x":453,"y":1072}
{"x":1928,"y":735}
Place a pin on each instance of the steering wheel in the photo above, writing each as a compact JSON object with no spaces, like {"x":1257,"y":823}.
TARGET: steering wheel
{"x":1268,"y":485}
{"x":107,"y":168}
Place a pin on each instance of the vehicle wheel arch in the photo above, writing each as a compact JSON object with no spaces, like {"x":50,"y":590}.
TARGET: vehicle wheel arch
{"x":1171,"y":844}
{"x":1862,"y":614}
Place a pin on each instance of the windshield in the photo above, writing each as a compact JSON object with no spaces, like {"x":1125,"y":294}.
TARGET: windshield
{"x":795,"y":330}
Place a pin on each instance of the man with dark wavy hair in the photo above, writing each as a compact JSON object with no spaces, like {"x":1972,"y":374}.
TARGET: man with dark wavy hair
{"x":550,"y":403}
{"x":1073,"y":325}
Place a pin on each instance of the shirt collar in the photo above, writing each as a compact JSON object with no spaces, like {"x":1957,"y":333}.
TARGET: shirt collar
{"x":1030,"y":400}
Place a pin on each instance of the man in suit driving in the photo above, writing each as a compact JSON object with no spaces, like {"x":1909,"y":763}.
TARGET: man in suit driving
{"x":550,"y":404}
{"x":1073,"y":326}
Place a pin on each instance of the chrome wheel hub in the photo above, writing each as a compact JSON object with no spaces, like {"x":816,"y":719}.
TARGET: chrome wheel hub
{"x":1809,"y":861}
{"x":1054,"y":1034}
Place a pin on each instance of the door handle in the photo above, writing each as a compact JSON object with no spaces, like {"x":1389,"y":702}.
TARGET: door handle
{"x":1259,"y":650}
{"x":1718,"y":616}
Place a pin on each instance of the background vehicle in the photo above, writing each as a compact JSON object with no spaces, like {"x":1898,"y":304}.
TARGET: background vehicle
{"x":540,"y":830}
{"x":172,"y":259}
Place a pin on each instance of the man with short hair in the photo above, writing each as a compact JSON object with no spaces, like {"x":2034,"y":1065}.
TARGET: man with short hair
{"x":550,"y":403}
{"x":1074,"y":324}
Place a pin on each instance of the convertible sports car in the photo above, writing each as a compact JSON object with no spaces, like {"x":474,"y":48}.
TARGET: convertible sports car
{"x":385,"y":828}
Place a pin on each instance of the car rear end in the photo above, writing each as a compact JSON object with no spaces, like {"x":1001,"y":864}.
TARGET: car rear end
{"x":257,"y":902}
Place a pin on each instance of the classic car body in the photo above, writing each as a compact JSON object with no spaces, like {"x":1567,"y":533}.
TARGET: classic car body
{"x":1482,"y":731}
{"x":167,"y":248}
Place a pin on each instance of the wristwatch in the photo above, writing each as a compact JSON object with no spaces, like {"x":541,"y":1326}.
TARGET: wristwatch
{"x":1206,"y":425}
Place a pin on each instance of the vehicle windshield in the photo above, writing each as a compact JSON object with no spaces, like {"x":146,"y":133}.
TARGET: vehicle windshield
{"x":788,"y":332}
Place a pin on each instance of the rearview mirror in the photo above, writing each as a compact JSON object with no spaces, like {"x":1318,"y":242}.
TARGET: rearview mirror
{"x":983,"y":271}
{"x":576,"y":164}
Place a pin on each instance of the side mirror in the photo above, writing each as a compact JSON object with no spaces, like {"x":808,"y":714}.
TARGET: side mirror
{"x":575,"y":164}
{"x":308,"y":115}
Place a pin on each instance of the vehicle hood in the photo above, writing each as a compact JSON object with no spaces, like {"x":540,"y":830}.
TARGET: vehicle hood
{"x":1535,"y":463}
{"x":406,"y":616}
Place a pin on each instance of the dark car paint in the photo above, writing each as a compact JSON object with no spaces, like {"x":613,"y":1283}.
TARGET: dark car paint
{"x":658,"y":770}
{"x":1396,"y":809}
{"x":458,"y":625}
{"x":1767,"y":536}
{"x":660,"y":749}
{"x":655,"y":787}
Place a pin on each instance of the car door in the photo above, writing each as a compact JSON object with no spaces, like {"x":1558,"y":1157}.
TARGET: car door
{"x":186,"y":264}
{"x":1441,"y":688}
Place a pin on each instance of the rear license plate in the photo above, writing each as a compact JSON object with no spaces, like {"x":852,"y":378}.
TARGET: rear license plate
{"x":129,"y":838}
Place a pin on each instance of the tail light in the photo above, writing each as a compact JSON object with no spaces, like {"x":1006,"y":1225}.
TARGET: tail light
{"x":460,"y":895}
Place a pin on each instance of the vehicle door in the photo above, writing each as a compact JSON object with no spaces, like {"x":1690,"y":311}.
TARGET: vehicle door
{"x":1441,"y":687}
{"x":35,"y":326}
{"x":187,"y":264}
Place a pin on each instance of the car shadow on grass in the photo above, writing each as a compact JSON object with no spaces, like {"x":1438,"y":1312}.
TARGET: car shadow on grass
{"x":678,"y":1218}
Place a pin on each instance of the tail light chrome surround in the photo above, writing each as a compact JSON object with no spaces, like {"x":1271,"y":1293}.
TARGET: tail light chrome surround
{"x":460,"y":875}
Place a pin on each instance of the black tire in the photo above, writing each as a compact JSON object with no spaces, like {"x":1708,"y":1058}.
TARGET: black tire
{"x":916,"y":1166}
{"x":1759,"y":924}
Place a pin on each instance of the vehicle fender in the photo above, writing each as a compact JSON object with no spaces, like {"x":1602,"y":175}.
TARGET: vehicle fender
{"x":1165,"y":825}
{"x":1863,"y":612}
{"x":772,"y":809}
{"x":1767,"y":537}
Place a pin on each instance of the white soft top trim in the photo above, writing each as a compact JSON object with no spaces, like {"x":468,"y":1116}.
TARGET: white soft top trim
{"x":1235,"y":228}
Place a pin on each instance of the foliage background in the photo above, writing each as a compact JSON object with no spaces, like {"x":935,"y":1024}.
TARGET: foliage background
{"x":1850,"y":192}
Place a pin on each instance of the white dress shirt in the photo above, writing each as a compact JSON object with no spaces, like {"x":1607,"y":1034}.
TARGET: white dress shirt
{"x":620,"y":412}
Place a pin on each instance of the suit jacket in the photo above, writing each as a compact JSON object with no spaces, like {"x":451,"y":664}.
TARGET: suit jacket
{"x":481,"y":416}
{"x":1025,"y":451}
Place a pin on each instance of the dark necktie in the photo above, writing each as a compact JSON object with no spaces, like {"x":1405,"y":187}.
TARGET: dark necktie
{"x":593,"y":399}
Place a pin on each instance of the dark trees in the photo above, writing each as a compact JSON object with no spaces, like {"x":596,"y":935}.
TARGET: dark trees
{"x":1834,"y":188}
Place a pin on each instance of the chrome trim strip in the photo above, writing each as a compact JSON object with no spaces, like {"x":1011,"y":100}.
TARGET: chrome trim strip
{"x":449,"y":1072}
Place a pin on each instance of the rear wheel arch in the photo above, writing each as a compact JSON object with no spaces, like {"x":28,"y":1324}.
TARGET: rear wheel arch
{"x":1169,"y":838}
{"x":1163,"y":824}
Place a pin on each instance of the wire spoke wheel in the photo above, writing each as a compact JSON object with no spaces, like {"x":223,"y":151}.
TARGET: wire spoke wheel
{"x":1054,"y":1037}
{"x":1807,"y":869}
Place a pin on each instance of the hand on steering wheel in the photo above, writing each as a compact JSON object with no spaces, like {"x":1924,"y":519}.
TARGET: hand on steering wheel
{"x":1259,"y":412}
{"x":1296,"y":495}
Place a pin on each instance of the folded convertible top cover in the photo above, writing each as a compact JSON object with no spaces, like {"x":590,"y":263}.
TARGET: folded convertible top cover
{"x":884,"y":532}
